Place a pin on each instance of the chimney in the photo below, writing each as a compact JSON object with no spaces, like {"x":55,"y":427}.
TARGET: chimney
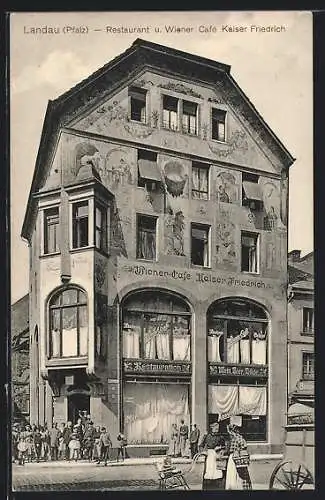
{"x":294,"y":256}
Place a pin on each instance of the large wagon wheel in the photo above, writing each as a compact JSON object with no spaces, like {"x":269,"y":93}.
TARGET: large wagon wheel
{"x":290,"y":475}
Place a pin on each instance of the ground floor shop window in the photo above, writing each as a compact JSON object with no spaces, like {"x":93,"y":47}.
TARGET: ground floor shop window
{"x":150,"y":409}
{"x":237,"y":333}
{"x":156,"y":325}
{"x":247,"y":402}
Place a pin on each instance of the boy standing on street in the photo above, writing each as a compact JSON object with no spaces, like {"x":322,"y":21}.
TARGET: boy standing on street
{"x":106,"y":443}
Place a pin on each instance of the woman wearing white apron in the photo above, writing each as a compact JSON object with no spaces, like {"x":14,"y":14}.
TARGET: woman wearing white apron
{"x":211,"y":446}
{"x":237,"y":474}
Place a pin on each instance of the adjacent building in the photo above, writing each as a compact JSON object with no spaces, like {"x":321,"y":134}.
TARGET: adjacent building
{"x":20,"y":369}
{"x":301,"y":356}
{"x":157,"y":229}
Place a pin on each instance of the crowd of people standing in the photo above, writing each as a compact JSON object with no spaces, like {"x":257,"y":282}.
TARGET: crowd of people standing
{"x":66,"y":441}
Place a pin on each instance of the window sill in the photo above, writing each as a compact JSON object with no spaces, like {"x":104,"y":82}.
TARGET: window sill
{"x":307,"y":334}
{"x":138,"y":122}
{"x":251,"y":273}
{"x":53,"y":254}
{"x":147,"y":260}
{"x":218,"y":141}
{"x":78,"y":360}
{"x":200,"y":199}
{"x":163,"y":127}
{"x":199,"y":267}
{"x":82,"y":249}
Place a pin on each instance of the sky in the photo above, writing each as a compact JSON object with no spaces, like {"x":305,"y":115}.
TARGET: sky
{"x":274,"y":69}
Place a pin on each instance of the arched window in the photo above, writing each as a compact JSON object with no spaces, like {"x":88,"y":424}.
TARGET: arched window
{"x":237,"y":332}
{"x":156,"y":325}
{"x":68,"y":324}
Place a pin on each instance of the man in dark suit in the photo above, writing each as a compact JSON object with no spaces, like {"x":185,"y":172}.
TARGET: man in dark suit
{"x":183,"y":437}
{"x":194,"y":440}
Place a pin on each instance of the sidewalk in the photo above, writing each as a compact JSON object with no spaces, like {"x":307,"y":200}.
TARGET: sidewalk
{"x":139,"y":461}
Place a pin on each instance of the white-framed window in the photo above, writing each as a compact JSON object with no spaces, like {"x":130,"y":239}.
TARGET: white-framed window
{"x":190,"y":117}
{"x":218,"y":124}
{"x":146,"y":237}
{"x":170,"y":112}
{"x":51,"y":230}
{"x":180,"y":114}
{"x":308,"y":320}
{"x":200,"y":181}
{"x":249,"y":252}
{"x":90,"y":223}
{"x":200,"y":245}
{"x":138,"y":104}
{"x":308,"y":366}
{"x":68,"y":324}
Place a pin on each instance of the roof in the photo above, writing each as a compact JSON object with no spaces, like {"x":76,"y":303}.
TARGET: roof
{"x":100,"y":84}
{"x":296,"y":274}
{"x":20,"y":316}
{"x":306,"y":285}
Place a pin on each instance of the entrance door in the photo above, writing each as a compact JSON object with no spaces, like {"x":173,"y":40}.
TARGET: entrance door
{"x":77,"y":402}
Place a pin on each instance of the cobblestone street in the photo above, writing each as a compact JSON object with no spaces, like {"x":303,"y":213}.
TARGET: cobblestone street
{"x":86,"y":477}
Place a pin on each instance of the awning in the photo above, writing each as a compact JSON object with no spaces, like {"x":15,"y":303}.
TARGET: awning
{"x":252,"y":191}
{"x":199,"y":234}
{"x":149,"y":170}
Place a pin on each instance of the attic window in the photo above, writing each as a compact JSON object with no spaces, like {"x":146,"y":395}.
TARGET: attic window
{"x":251,"y":192}
{"x":148,"y":173}
{"x":138,"y":98}
{"x":218,"y":125}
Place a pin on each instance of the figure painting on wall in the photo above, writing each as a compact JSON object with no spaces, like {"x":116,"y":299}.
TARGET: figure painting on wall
{"x":178,"y":233}
{"x":226,"y":249}
{"x":271,"y":202}
{"x":226,"y":188}
{"x":86,"y":156}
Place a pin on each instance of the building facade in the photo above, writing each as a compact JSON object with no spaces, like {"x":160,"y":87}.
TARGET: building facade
{"x":157,"y":226}
{"x":301,"y":354}
{"x":20,"y":369}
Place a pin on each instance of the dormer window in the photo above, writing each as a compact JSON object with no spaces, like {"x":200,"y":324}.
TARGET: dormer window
{"x":138,"y":101}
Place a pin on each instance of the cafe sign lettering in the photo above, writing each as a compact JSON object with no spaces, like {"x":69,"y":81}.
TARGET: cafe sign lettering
{"x":237,"y":370}
{"x":133,"y":366}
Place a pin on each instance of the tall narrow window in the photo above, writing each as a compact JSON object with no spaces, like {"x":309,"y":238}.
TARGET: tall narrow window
{"x":138,"y":104}
{"x":51,"y":230}
{"x":200,"y":245}
{"x":146,"y":237}
{"x":218,"y":125}
{"x":200,"y":181}
{"x":189,"y":117}
{"x":80,"y":225}
{"x":170,"y":112}
{"x":308,"y":320}
{"x":101,"y":227}
{"x":249,"y":252}
{"x":308,"y":372}
{"x":68,"y":324}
